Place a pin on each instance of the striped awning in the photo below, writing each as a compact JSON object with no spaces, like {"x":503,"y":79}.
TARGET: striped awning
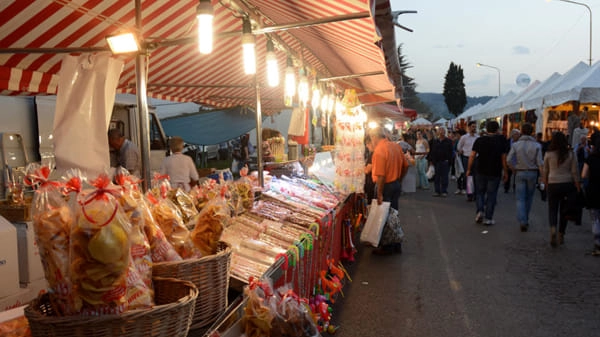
{"x":354,"y":49}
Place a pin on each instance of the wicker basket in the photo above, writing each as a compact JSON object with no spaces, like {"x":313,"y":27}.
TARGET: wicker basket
{"x":210,"y":275}
{"x":172,"y":316}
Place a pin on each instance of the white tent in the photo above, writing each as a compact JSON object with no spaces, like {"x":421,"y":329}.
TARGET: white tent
{"x":441,"y":121}
{"x":583,"y":87}
{"x":420,"y":122}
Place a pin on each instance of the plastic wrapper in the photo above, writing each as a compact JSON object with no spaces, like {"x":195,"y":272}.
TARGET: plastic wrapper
{"x":244,"y":268}
{"x":100,"y":251}
{"x":242,"y":196}
{"x":169,"y":220}
{"x":292,"y":318}
{"x":161,"y":249}
{"x":139,"y":275}
{"x":184,"y":202}
{"x":258,"y":312}
{"x":52,"y":222}
{"x":203,"y":193}
{"x":16,"y":327}
{"x":209,"y":226}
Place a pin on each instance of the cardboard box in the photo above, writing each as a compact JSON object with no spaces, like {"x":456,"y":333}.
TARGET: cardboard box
{"x":30,"y":264}
{"x":9,"y":259}
{"x":24,"y":295}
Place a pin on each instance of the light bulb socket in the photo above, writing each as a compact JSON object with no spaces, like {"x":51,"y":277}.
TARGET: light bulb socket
{"x":205,"y":8}
{"x":270,"y":46}
{"x":247,"y":36}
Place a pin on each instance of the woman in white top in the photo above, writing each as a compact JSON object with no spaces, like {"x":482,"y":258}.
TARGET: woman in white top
{"x":421,"y":151}
{"x":180,"y":168}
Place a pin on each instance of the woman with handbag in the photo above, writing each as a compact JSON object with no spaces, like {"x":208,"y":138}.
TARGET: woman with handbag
{"x":591,"y":171}
{"x":561,"y":177}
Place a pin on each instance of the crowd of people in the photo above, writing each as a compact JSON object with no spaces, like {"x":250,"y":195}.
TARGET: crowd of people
{"x":567,"y":174}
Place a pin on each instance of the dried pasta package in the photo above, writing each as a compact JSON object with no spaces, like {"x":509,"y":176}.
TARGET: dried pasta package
{"x":52,"y":221}
{"x":100,"y":251}
{"x":167,"y":217}
{"x":209,"y":225}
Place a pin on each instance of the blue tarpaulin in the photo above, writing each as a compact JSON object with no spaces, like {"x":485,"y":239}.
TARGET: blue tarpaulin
{"x":214,"y":127}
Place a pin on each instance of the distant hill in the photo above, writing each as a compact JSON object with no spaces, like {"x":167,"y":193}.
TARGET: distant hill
{"x":438,"y":106}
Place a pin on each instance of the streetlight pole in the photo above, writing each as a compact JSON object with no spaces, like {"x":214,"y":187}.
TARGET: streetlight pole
{"x":497,"y":69}
{"x":589,"y":10}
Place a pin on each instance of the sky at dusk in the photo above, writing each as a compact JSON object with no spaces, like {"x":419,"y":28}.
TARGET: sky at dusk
{"x":534,"y":37}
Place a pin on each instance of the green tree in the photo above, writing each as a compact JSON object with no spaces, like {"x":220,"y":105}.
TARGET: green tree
{"x":454,"y":89}
{"x":410,"y":98}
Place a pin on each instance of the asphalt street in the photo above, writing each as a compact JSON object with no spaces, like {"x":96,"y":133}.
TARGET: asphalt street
{"x":459,"y":278}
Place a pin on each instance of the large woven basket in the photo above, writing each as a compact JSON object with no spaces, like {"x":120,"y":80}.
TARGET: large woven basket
{"x":210,"y":274}
{"x":171,"y":316}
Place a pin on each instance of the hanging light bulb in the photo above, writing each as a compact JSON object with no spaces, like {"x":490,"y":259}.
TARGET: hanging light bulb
{"x":248,"y":44}
{"x":272,"y":66}
{"x":290,"y":83}
{"x":205,"y":14}
{"x":316,"y":95}
{"x":324,"y":100}
{"x":303,"y":91}
{"x":331,"y":102}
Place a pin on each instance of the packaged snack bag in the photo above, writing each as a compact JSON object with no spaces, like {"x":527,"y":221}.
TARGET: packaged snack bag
{"x":100,"y":251}
{"x":52,"y":222}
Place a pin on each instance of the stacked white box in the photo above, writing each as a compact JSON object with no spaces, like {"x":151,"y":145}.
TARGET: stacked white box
{"x":9,"y":260}
{"x":30,"y":264}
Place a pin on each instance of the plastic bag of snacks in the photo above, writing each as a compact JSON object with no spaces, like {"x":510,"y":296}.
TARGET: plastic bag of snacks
{"x":139,"y":278}
{"x":209,"y":225}
{"x":259,"y":311}
{"x":292,"y":317}
{"x":100,"y":251}
{"x":52,"y":222}
{"x":168,"y":218}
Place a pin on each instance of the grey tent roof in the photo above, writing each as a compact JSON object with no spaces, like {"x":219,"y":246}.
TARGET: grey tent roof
{"x":214,"y":127}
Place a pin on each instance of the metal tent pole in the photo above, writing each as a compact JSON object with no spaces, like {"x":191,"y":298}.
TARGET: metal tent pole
{"x":141,"y":74}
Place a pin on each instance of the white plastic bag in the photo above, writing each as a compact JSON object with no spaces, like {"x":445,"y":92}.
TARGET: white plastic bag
{"x":377,"y":218}
{"x":458,"y":166}
{"x":470,"y":185}
{"x":430,"y":172}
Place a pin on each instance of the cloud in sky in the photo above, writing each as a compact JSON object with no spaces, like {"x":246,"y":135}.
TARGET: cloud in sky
{"x":520,"y":50}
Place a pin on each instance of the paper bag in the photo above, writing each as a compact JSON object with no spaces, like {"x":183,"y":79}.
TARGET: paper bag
{"x":378,"y":214}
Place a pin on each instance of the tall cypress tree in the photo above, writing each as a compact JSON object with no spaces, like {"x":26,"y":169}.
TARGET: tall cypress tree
{"x":455,"y":95}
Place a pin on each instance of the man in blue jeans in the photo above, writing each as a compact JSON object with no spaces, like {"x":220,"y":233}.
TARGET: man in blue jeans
{"x":526,"y":157}
{"x":490,"y":153}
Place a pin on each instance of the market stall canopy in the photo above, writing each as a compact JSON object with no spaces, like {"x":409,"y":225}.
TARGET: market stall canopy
{"x":217,"y":126}
{"x":390,"y":111}
{"x":420,"y":122}
{"x":345,"y":43}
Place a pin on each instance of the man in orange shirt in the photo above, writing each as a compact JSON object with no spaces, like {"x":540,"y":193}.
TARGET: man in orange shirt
{"x":388,"y":169}
{"x":388,"y":166}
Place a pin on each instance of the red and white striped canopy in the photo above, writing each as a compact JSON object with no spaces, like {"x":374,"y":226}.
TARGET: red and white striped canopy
{"x":358,"y":52}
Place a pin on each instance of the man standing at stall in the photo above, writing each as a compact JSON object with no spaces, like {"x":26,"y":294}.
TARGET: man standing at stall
{"x":388,"y":168}
{"x":128,"y":155}
{"x":464,"y":147}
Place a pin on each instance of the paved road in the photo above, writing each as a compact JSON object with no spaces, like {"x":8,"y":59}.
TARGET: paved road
{"x":458,"y":278}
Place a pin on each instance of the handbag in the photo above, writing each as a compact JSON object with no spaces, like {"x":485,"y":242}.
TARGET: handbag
{"x":378,"y":215}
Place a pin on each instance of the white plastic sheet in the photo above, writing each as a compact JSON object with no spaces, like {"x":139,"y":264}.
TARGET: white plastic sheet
{"x":377,"y":218}
{"x":84,"y":104}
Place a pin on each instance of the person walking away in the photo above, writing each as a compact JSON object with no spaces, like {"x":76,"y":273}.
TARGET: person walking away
{"x":421,"y":152}
{"x":180,"y":168}
{"x":591,"y":172}
{"x":128,"y":155}
{"x":464,"y":147}
{"x":582,"y":151}
{"x":562,"y":180}
{"x":514,"y":136}
{"x":490,"y":153}
{"x":389,"y":167}
{"x":440,"y":156}
{"x":544,"y":145}
{"x":525,"y":160}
